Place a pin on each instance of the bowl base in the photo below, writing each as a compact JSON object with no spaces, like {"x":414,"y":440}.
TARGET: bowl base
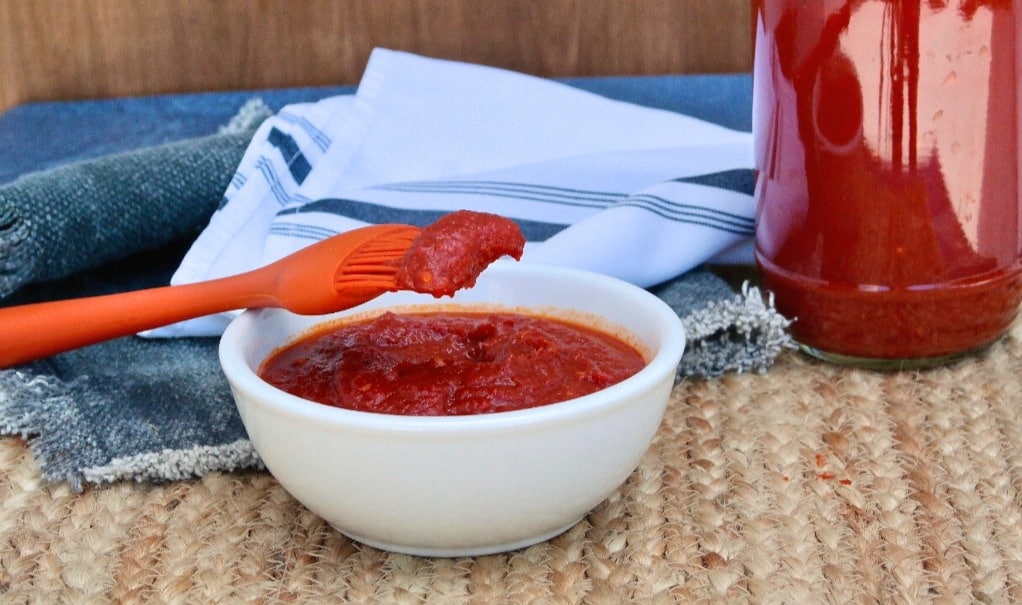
{"x":457,"y":551}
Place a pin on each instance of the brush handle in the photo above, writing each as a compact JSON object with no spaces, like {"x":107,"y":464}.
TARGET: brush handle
{"x":305,"y":282}
{"x":30,"y":332}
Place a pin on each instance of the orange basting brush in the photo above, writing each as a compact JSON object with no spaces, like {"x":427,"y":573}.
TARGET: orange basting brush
{"x":337,"y":273}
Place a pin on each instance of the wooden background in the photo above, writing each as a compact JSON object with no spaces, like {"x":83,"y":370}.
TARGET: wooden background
{"x":70,"y":49}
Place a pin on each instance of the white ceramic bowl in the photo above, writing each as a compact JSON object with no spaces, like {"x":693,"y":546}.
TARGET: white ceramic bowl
{"x":464,"y":485}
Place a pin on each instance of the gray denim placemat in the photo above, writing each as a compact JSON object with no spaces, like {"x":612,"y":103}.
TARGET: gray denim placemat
{"x":57,"y":222}
{"x":158,"y":410}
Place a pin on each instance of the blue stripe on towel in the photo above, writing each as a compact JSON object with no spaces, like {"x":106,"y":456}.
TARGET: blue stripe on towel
{"x":238,"y":180}
{"x":739,"y":180}
{"x":534,"y":231}
{"x":316,"y":135}
{"x":523,"y":191}
{"x":296,"y":162}
{"x":301,"y":231}
{"x":265,"y":167}
{"x":693,"y":215}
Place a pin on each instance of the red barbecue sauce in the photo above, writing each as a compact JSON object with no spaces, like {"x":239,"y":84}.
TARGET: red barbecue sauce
{"x":887,"y":150}
{"x":446,"y":364}
{"x":451,"y":253}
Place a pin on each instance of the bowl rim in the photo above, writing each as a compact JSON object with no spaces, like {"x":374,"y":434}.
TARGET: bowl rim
{"x":665,"y":360}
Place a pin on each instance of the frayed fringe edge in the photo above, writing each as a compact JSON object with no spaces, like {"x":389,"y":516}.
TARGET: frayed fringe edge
{"x":174,"y":465}
{"x":17,"y":262}
{"x":743,"y":333}
{"x":249,"y":116}
{"x":29,"y":402}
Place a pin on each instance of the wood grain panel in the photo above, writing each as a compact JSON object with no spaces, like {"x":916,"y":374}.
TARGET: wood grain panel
{"x":65,"y":49}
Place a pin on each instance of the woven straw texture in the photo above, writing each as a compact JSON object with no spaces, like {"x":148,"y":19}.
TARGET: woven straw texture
{"x":807,"y":484}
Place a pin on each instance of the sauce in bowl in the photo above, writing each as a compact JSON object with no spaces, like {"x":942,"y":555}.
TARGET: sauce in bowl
{"x":450,"y":363}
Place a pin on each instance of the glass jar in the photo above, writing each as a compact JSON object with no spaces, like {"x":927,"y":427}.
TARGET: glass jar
{"x":886,"y":139}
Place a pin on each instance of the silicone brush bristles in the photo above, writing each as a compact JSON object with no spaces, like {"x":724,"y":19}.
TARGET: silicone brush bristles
{"x":374,"y":264}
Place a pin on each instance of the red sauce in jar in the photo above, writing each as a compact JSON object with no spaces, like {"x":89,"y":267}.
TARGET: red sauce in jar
{"x":886,"y":136}
{"x":443,"y":364}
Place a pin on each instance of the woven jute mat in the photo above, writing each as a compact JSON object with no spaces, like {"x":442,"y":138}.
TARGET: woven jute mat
{"x":807,"y":484}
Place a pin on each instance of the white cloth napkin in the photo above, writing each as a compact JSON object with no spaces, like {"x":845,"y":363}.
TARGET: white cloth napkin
{"x":638,"y":193}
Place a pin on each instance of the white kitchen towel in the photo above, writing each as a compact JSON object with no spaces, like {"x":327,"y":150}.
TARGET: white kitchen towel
{"x":638,"y":193}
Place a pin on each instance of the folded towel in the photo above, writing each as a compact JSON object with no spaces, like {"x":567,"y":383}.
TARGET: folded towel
{"x":159,"y":409}
{"x":634,"y":192}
